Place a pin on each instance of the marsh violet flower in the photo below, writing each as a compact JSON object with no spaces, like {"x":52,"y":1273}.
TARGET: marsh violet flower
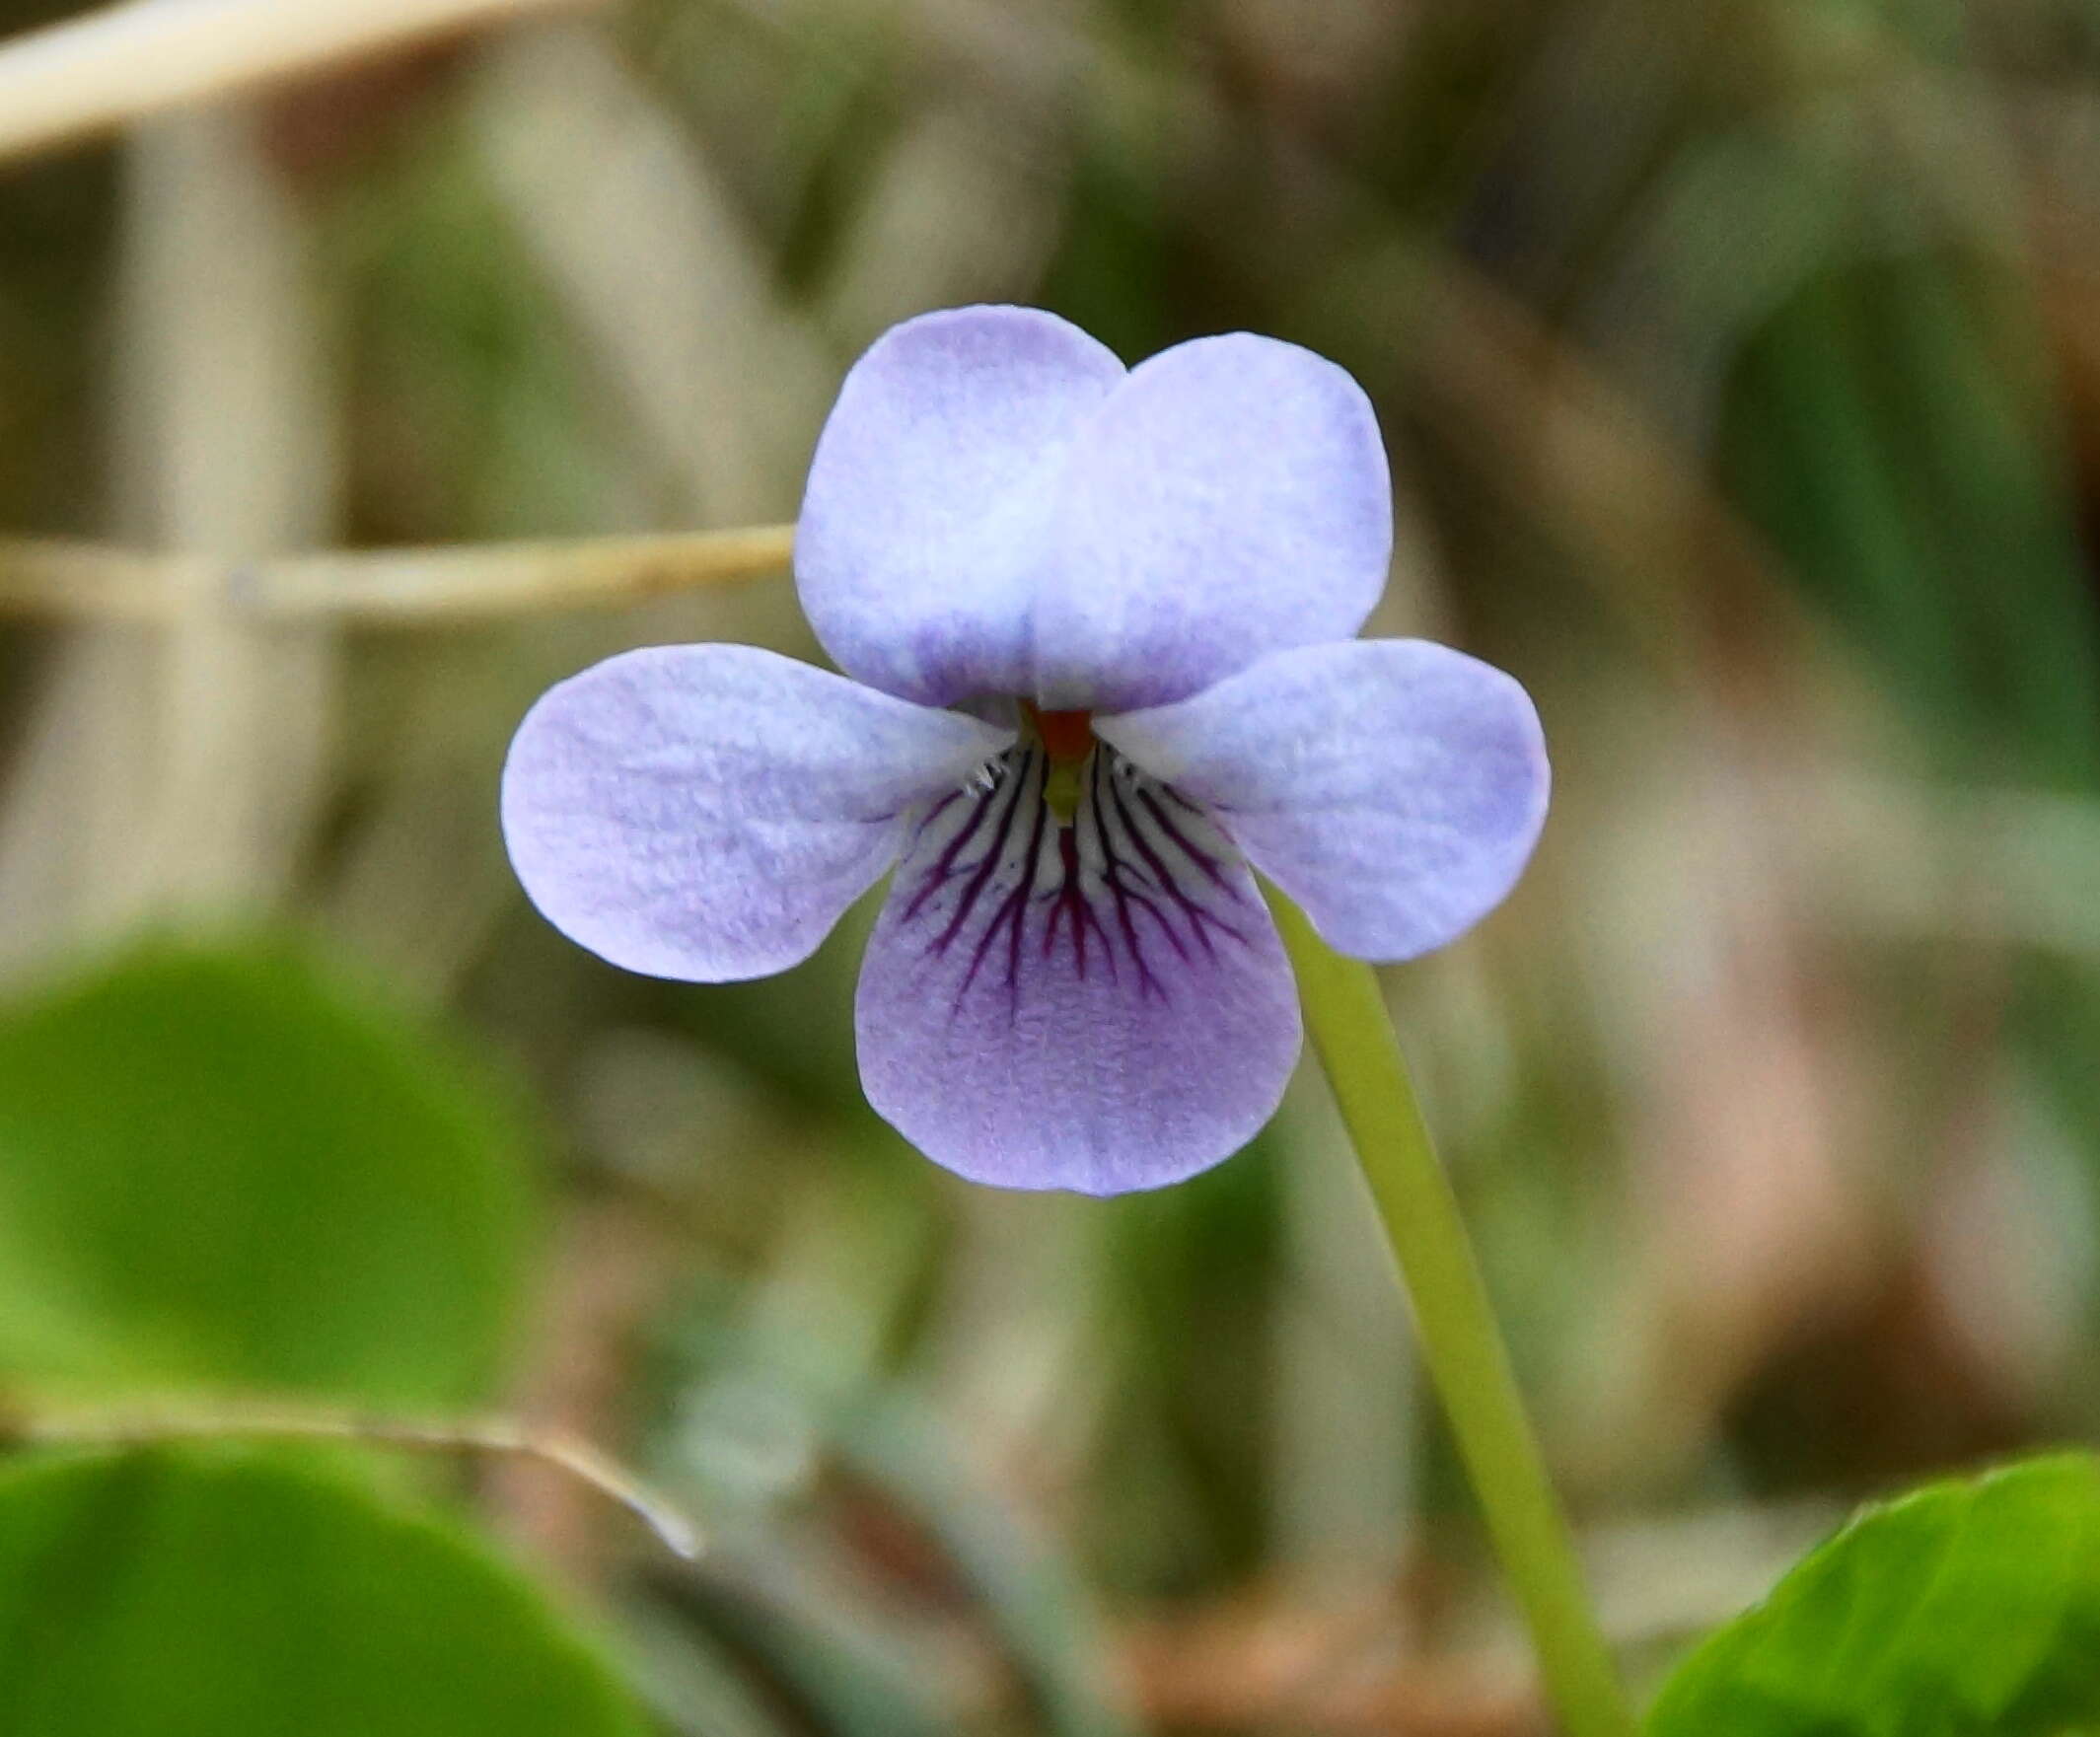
{"x":1096,"y":628}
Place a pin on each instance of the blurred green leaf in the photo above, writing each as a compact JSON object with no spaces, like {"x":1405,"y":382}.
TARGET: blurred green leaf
{"x":1888,"y":431}
{"x":1966,"y":1609}
{"x":192,"y":1595}
{"x":219,"y":1169}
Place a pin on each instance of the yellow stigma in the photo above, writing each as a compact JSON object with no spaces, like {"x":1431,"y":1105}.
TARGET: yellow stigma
{"x":1067,"y":738}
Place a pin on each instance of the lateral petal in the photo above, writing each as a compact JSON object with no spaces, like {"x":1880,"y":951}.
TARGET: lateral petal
{"x":1393,"y":787}
{"x":707,"y":812}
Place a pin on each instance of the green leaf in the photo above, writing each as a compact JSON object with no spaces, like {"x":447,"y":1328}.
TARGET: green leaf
{"x":1968,"y":1609}
{"x":219,"y":1170}
{"x":192,"y":1594}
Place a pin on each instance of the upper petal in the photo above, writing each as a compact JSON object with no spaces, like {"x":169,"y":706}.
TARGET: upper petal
{"x":1393,"y":787}
{"x":1101,"y":1007}
{"x":930,"y":497}
{"x":706,"y":811}
{"x":1229,"y":500}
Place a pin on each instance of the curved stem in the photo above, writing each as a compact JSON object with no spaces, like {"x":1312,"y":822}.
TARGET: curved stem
{"x":473,"y":1437}
{"x":1352,"y":1034}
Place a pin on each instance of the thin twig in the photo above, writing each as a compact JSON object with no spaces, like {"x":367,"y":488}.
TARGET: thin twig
{"x":473,"y":1437}
{"x":380,"y":588}
{"x":84,"y":581}
{"x":411,"y":585}
{"x":89,"y":75}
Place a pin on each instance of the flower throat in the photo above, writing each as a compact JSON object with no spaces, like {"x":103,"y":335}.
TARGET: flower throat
{"x":1068,"y":740}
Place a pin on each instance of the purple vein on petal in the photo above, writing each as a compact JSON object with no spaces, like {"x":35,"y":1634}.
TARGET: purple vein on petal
{"x":1126,"y":884}
{"x":1100,"y":1004}
{"x":1169,"y":885}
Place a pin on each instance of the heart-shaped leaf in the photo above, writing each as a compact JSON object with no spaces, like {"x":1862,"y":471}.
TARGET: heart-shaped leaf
{"x":219,"y":1169}
{"x":227,"y":1594}
{"x":1968,"y":1609}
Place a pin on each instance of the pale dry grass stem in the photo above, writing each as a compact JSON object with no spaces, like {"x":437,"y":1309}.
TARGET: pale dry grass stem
{"x":110,"y":68}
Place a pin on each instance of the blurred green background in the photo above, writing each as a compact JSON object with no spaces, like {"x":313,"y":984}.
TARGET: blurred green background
{"x":1740,"y":364}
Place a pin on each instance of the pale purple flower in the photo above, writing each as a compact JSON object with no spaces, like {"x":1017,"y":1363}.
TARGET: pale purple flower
{"x":1096,"y":628}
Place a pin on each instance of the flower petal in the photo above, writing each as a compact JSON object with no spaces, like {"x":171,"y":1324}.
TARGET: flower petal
{"x":706,"y":811}
{"x":1231,"y":499}
{"x":1101,"y":1007}
{"x":1393,"y":787}
{"x":930,"y":495}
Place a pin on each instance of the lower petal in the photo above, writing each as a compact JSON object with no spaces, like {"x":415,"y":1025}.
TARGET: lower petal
{"x":706,"y":811}
{"x":1101,"y":1006}
{"x":1393,"y":787}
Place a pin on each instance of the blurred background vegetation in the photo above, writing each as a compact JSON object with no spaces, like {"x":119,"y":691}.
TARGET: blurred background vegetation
{"x":1740,"y":364}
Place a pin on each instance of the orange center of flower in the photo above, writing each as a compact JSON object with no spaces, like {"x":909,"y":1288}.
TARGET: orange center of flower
{"x":1068,"y":740}
{"x":1067,"y":737}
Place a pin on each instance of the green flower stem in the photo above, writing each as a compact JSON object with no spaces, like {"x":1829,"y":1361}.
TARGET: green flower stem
{"x":1352,"y":1034}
